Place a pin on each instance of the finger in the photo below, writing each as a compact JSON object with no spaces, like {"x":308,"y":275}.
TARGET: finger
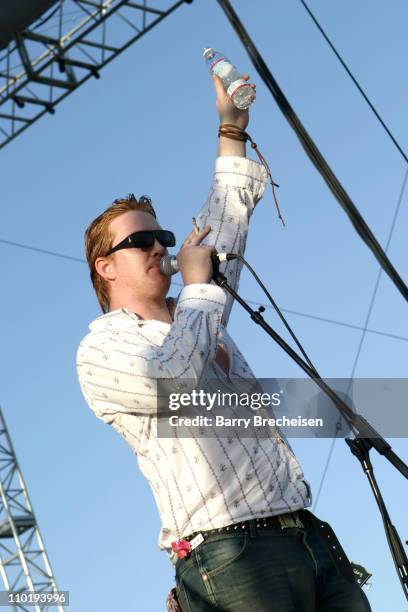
{"x":198,"y":238}
{"x":194,"y":238}
{"x":219,"y":86}
{"x":187,"y":240}
{"x":192,"y":234}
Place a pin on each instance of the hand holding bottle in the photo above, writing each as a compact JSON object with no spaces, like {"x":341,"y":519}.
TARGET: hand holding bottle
{"x":239,"y":91}
{"x":227,"y":110}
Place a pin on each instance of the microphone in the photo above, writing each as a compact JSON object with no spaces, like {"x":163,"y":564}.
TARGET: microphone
{"x":169,"y":265}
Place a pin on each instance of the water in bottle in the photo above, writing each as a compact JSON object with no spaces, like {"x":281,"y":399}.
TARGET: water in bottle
{"x":240,"y":92}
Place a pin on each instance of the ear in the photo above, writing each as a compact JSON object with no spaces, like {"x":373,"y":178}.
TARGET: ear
{"x":105,"y":267}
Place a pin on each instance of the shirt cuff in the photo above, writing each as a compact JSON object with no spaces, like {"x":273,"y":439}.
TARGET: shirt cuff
{"x":240,"y":172}
{"x":201,"y":296}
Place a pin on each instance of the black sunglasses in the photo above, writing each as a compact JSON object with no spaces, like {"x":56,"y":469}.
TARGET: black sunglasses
{"x":145,"y":240}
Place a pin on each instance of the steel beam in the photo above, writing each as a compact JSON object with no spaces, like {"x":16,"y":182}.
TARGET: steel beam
{"x":24,"y":564}
{"x":31,"y":62}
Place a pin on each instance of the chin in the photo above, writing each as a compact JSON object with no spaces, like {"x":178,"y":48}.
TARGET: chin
{"x":158,"y":285}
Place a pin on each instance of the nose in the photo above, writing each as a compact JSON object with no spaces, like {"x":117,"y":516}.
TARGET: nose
{"x":158,"y":249}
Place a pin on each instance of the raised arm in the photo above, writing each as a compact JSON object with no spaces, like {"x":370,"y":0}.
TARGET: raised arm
{"x":238,"y":185}
{"x":229,"y":113}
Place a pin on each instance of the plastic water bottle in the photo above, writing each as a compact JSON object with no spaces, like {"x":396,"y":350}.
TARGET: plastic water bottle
{"x":240,"y":92}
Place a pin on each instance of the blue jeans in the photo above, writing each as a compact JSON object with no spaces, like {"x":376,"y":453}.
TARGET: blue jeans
{"x":273,"y":570}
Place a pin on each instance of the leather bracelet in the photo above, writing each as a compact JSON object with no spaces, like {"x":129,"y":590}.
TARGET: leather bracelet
{"x":234,"y":132}
{"x":228,"y":130}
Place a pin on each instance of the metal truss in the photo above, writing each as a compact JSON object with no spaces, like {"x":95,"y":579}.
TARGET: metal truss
{"x":70,"y":44}
{"x":24,"y":565}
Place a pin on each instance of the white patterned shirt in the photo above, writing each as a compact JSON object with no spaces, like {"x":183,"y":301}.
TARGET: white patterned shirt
{"x":199,"y":483}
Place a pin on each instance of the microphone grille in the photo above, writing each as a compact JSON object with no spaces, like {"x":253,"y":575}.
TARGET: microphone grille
{"x":168,"y":265}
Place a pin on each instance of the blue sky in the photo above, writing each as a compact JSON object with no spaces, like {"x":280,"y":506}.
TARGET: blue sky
{"x":149,"y":126}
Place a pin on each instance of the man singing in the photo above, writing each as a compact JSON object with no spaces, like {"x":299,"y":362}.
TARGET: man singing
{"x":232,"y":510}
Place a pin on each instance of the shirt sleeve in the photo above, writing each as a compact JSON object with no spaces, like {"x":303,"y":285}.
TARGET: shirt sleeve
{"x":238,"y":185}
{"x":118,"y":371}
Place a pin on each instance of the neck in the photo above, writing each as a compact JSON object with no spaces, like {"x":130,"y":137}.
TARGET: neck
{"x":156,"y":310}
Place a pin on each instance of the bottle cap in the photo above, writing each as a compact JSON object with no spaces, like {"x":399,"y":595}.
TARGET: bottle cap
{"x":208,"y":53}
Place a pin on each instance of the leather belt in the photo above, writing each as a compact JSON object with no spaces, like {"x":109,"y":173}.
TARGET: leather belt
{"x":333,"y":546}
{"x":289,"y":520}
{"x":300,"y":519}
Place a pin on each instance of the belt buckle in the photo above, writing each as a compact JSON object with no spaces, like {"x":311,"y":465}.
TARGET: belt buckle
{"x":290,"y":520}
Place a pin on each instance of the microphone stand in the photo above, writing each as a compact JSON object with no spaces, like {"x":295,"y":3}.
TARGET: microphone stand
{"x":366,"y":436}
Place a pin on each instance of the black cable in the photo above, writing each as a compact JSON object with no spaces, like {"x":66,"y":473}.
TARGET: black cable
{"x":276,"y":307}
{"x":7,"y":52}
{"x":313,"y":152}
{"x":333,"y":321}
{"x":377,"y":283}
{"x":67,"y":18}
{"x":38,"y":25}
{"x":44,"y":251}
{"x":85,"y":10}
{"x":356,"y":83}
{"x":365,"y":329}
{"x":295,"y":312}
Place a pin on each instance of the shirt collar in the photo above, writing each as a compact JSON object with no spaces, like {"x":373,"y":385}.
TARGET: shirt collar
{"x":116,"y":319}
{"x":121,"y":318}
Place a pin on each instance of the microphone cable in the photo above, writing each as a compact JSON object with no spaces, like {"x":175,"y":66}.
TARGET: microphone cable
{"x":276,"y":307}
